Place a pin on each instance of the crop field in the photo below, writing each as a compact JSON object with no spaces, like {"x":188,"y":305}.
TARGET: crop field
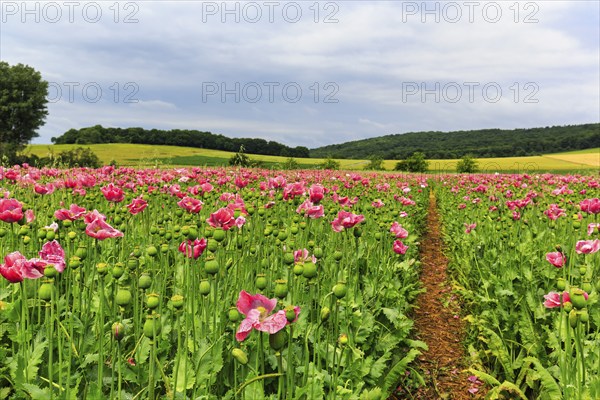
{"x":228,"y":283}
{"x":147,"y":155}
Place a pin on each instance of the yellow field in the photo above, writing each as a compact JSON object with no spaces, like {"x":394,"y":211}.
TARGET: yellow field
{"x":149,"y":155}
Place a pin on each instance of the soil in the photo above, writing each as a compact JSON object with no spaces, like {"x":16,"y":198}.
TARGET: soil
{"x":438,"y":323}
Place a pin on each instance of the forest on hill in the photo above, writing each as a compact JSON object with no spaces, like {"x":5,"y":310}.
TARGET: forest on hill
{"x":178,"y":137}
{"x":478,"y":143}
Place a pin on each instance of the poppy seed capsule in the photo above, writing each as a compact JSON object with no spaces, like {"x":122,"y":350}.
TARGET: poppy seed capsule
{"x":144,"y":281}
{"x":310,"y":270}
{"x":577,"y":298}
{"x":123,"y":297}
{"x":340,"y":290}
{"x":50,"y":271}
{"x":278,"y":339}
{"x":45,"y":291}
{"x":290,"y":314}
{"x":281,"y":288}
{"x":337,"y":255}
{"x":288,"y":258}
{"x":585,"y":286}
{"x":117,"y":271}
{"x":233,"y":315}
{"x":204,"y":287}
{"x":74,"y":262}
{"x":102,"y":268}
{"x":152,"y":300}
{"x":298,"y":269}
{"x":261,"y":281}
{"x":177,"y":301}
{"x":152,"y":326}
{"x":219,"y":235}
{"x":561,"y":284}
{"x":240,"y":356}
{"x":584,"y":316}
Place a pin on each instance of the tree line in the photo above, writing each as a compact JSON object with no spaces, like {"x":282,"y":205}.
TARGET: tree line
{"x":178,"y":137}
{"x":477,"y":143}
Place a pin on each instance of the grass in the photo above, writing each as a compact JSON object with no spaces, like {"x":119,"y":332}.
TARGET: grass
{"x":148,"y":155}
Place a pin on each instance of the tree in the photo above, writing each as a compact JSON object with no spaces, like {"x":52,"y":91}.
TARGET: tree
{"x":330,"y":163}
{"x":415,"y":163}
{"x":240,"y":159}
{"x":467,"y":165}
{"x":375,"y":163}
{"x":22,"y":107}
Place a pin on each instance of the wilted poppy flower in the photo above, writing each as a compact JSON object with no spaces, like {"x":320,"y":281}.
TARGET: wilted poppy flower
{"x":11,"y":210}
{"x":257,"y":308}
{"x":193,"y":248}
{"x":74,"y":212}
{"x":593,"y":226}
{"x":99,"y":229}
{"x":399,"y":247}
{"x":587,"y":246}
{"x":222,"y":218}
{"x":346,"y":219}
{"x":556,"y":258}
{"x":190,"y":204}
{"x":469,"y":227}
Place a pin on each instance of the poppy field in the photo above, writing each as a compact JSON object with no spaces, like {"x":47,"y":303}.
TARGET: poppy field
{"x":222,"y":283}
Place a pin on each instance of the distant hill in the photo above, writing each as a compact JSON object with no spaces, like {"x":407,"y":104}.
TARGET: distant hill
{"x":177,"y":137}
{"x":479,"y":143}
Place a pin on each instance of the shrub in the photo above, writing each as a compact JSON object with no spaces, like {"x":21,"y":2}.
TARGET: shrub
{"x":415,"y":163}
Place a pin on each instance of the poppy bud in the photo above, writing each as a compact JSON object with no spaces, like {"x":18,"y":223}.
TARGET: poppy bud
{"x":340,"y":290}
{"x":233,"y":315}
{"x":573,"y":318}
{"x":240,"y":355}
{"x":561,"y":284}
{"x":288,"y":258}
{"x":343,"y":339}
{"x":583,"y":315}
{"x":152,"y":251}
{"x":325,"y":312}
{"x":118,"y":330}
{"x":586,"y":286}
{"x":211,"y":266}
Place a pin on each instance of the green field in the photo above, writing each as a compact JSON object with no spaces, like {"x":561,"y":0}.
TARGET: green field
{"x":147,"y":155}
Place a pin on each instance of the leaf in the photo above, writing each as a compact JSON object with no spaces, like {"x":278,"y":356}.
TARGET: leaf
{"x":4,"y":392}
{"x":186,"y":378}
{"x":373,"y":394}
{"x":35,"y":392}
{"x":380,"y":365}
{"x":549,"y":385}
{"x":496,"y":393}
{"x":486,"y":378}
{"x":393,"y":376}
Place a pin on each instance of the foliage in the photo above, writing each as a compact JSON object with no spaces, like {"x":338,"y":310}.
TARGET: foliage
{"x":240,"y":159}
{"x":290,"y":163}
{"x":136,"y":316}
{"x":467,"y":165}
{"x":375,"y":163}
{"x":483,"y":143}
{"x":22,"y":107}
{"x":415,"y":163}
{"x":330,"y":164}
{"x":177,"y":137}
{"x":78,"y":157}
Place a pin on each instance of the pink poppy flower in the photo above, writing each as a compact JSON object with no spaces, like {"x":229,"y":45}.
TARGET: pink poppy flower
{"x":556,"y":258}
{"x":377,"y":203}
{"x":222,"y":218}
{"x":587,"y":246}
{"x":53,"y":253}
{"x":469,"y":227}
{"x":240,"y":221}
{"x":99,"y":229}
{"x":316,"y":193}
{"x":398,"y":231}
{"x":92,"y":216}
{"x":113,"y":193}
{"x":257,"y":309}
{"x":315,"y":212}
{"x":302,"y":255}
{"x":552,"y":300}
{"x":16,"y":268}
{"x":554,"y":212}
{"x":10,"y":210}
{"x":29,"y":216}
{"x":590,"y":206}
{"x":594,"y":226}
{"x":74,"y":212}
{"x":190,"y":204}
{"x":44,"y":189}
{"x":399,"y":247}
{"x":137,"y":205}
{"x":345,"y":220}
{"x":193,"y":249}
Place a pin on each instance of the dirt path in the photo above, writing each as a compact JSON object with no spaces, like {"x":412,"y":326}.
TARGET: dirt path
{"x":437,"y":322}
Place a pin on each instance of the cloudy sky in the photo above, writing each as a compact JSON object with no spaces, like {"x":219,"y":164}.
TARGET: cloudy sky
{"x":309,"y":73}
